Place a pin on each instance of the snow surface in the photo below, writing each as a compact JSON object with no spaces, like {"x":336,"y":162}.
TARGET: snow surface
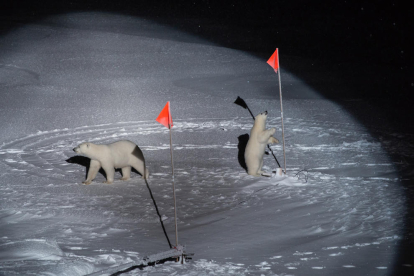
{"x":104,"y":77}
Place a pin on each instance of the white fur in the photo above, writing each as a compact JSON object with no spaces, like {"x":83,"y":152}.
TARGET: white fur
{"x":119,"y":155}
{"x":255,"y":148}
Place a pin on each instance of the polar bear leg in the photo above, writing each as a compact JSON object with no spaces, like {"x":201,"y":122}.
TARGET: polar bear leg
{"x":260,"y":168}
{"x":146,"y":174}
{"x":272,"y":140}
{"x":265,"y":135}
{"x":110,"y":172}
{"x":253,"y":169}
{"x":93,"y":171}
{"x":126,"y":173}
{"x":140,"y":167}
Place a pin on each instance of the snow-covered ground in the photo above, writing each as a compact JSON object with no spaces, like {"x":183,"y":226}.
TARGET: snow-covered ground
{"x":103,"y":77}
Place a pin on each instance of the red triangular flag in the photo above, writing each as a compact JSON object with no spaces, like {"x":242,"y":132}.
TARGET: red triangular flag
{"x":165,"y":116}
{"x":274,"y":60}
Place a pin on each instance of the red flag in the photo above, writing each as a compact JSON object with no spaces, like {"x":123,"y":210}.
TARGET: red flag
{"x":165,"y":116}
{"x":274,"y":60}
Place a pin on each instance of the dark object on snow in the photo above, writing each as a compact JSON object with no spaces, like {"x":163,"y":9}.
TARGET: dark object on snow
{"x":243,"y":139}
{"x":158,"y":213}
{"x":242,"y":103}
{"x":85,"y":162}
{"x":174,"y":253}
{"x":80,"y":160}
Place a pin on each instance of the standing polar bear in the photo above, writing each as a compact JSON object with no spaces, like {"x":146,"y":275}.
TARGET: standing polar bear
{"x":255,"y":148}
{"x":119,"y":155}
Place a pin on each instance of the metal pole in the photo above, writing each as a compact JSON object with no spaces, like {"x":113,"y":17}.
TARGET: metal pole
{"x":175,"y":202}
{"x":281,"y":108}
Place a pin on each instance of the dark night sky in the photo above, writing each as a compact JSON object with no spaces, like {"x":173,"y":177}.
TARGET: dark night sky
{"x":334,"y":30}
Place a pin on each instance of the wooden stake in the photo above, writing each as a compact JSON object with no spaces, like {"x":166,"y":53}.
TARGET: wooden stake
{"x":173,"y":182}
{"x":281,"y":108}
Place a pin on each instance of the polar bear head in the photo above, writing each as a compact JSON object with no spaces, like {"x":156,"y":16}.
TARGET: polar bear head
{"x":84,"y":148}
{"x":260,"y":121}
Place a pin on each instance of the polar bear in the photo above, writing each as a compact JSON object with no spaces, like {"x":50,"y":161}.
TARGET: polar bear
{"x":121,"y":154}
{"x":255,"y":148}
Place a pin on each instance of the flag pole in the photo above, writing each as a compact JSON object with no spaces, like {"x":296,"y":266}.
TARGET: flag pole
{"x":165,"y":119}
{"x":281,"y":108}
{"x":173,"y":182}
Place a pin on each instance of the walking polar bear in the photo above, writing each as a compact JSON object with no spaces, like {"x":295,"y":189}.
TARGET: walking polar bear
{"x":255,"y":148}
{"x":119,"y":155}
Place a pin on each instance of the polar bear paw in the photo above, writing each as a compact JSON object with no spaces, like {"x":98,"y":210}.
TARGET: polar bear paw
{"x":273,"y":140}
{"x":266,"y":174}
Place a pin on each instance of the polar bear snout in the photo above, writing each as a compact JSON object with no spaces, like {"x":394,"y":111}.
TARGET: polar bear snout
{"x":265,"y":112}
{"x":76,"y":149}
